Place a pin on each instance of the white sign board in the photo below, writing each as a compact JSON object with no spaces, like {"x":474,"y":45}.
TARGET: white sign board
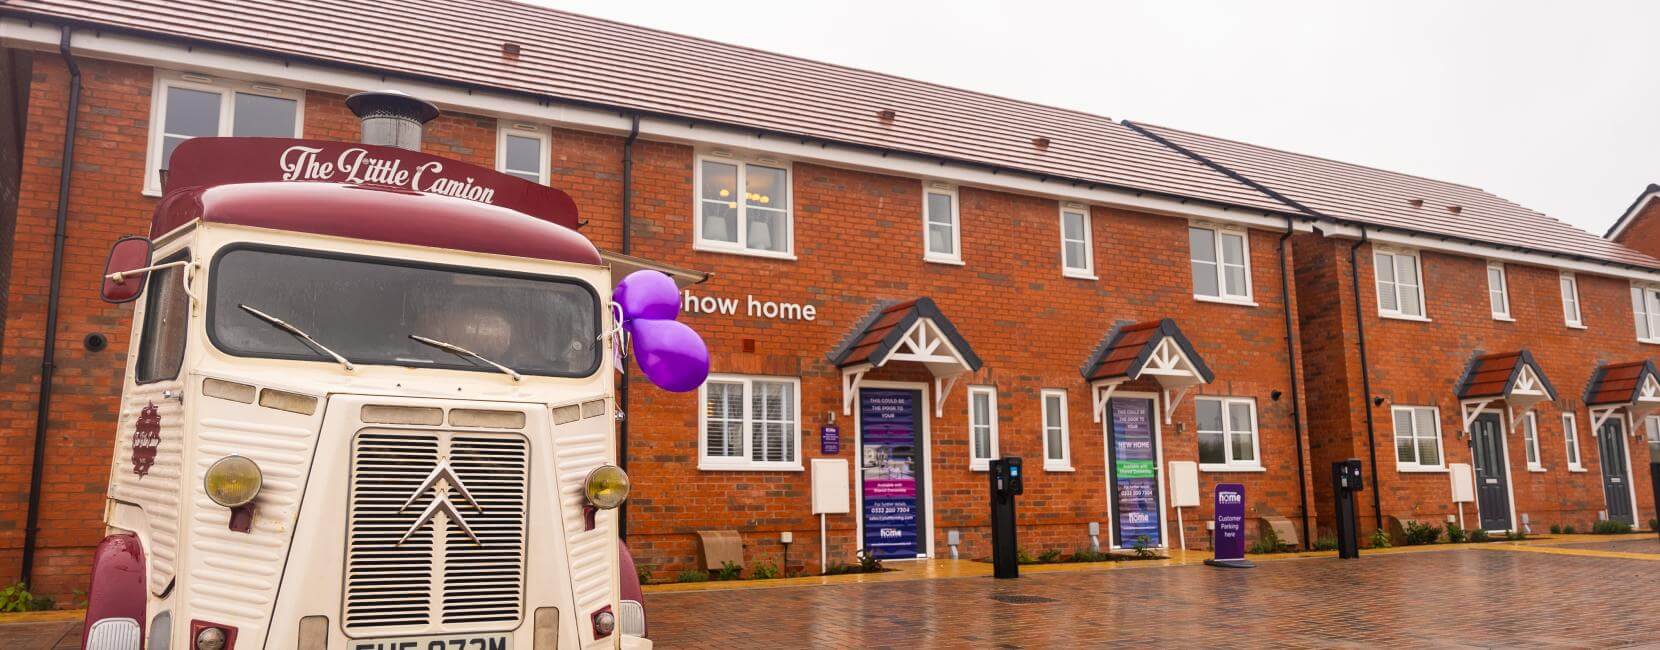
{"x":831,"y":494}
{"x":1463,"y":483}
{"x":1184,"y":483}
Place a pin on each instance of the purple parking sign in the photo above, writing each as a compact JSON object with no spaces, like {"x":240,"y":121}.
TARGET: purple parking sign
{"x":1230,"y":526}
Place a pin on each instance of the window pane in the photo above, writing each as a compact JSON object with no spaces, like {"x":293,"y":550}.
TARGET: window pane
{"x":1406,"y":269}
{"x":1428,"y":453}
{"x":1055,"y":449}
{"x":1495,"y":290}
{"x":766,"y":187}
{"x":1210,"y":449}
{"x":939,"y":239}
{"x":522,"y":154}
{"x":1428,"y":433}
{"x":1202,"y":243}
{"x":720,"y":205}
{"x":1072,"y":225}
{"x":161,"y":350}
{"x":939,"y":208}
{"x":1384,"y":265}
{"x":1235,"y":277}
{"x":259,"y":116}
{"x":1410,"y":301}
{"x":1204,"y":279}
{"x":1242,"y":448}
{"x":768,"y":229}
{"x":1075,"y":255}
{"x":1405,"y":448}
{"x":192,"y":112}
{"x":1052,"y":410}
{"x":1233,"y":249}
{"x":1239,"y":417}
{"x":720,"y":181}
{"x":1209,"y":414}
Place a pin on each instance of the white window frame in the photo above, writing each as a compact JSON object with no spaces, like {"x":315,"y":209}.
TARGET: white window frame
{"x":928,"y":254}
{"x":1064,"y":463}
{"x":226,"y":89}
{"x":1573,"y":313}
{"x":1395,"y":284}
{"x":1230,"y":463}
{"x":1530,"y":442}
{"x":1217,"y":231}
{"x":1394,"y":439}
{"x":1498,"y":298}
{"x":976,"y":463}
{"x":741,"y":247}
{"x":744,"y":461}
{"x":1087,"y":271}
{"x":539,"y":132}
{"x":1570,"y":431}
{"x":1645,"y":310}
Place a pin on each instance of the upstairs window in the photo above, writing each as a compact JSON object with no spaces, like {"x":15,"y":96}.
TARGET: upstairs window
{"x":1417,"y":438}
{"x":1570,"y":301}
{"x":942,"y":241}
{"x":1645,"y":306}
{"x":744,"y":207}
{"x":1570,"y":431}
{"x":522,"y":150}
{"x":1077,"y":253}
{"x":187,"y":105}
{"x":982,"y":427}
{"x":1400,"y":287}
{"x":1498,"y":293}
{"x":1057,"y":447}
{"x":1221,"y":264}
{"x":749,"y":423}
{"x":1227,"y":433}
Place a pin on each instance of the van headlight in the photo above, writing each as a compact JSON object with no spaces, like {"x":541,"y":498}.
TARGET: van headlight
{"x":233,"y":481}
{"x":606,"y":487}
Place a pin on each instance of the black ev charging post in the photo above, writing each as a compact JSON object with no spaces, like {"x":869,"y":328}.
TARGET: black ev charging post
{"x":1345,"y":482}
{"x":1006,"y":482}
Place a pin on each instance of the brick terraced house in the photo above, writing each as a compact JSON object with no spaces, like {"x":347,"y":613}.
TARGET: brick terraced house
{"x":906,"y":278}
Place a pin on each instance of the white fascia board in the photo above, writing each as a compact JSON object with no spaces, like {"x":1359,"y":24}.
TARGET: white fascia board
{"x":342,"y":80}
{"x":1486,"y":251}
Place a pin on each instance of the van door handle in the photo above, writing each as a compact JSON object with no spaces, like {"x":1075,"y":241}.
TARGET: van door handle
{"x":175,"y":395}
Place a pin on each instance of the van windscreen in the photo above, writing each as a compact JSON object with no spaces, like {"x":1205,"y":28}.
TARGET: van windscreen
{"x":366,"y":310}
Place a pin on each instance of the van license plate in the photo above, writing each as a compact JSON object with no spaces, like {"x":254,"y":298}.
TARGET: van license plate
{"x":471,"y":642}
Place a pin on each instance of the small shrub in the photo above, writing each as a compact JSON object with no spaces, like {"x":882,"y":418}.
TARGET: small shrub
{"x":837,"y":569}
{"x":1418,"y":534}
{"x":763,"y":571}
{"x":1088,"y":555}
{"x":1568,"y":529}
{"x":1325,"y":544}
{"x":728,"y":571}
{"x":16,"y":598}
{"x":641,"y":571}
{"x":692,"y":576}
{"x":1654,"y":524}
{"x":1050,"y":556}
{"x":1022,"y":556}
{"x":1144,"y":547}
{"x":1455,"y":534}
{"x":869,"y":563}
{"x":1556,"y":529}
{"x":1268,"y":542}
{"x":1610,"y":527}
{"x":1478,"y":535}
{"x":1380,"y":539}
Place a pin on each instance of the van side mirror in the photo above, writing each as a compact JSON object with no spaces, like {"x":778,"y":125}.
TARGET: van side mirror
{"x":120,"y":283}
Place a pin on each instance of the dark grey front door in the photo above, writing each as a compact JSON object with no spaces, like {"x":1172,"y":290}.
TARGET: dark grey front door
{"x":1616,"y":475}
{"x":1492,"y":490}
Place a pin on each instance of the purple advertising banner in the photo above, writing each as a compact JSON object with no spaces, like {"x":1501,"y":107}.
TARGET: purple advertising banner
{"x":888,"y":441}
{"x":830,"y":439}
{"x":1230,"y":521}
{"x":1135,"y":473}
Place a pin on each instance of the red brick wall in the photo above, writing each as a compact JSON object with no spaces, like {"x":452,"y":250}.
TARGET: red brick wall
{"x":1643,"y":232}
{"x":1420,"y":363}
{"x":14,"y":106}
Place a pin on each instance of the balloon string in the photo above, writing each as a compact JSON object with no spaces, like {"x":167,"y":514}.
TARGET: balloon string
{"x":618,"y":335}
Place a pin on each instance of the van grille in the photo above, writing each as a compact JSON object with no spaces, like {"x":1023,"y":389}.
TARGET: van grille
{"x":437,"y":576}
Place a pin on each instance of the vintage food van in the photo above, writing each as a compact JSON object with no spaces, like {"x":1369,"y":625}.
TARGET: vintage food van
{"x":368,"y":405}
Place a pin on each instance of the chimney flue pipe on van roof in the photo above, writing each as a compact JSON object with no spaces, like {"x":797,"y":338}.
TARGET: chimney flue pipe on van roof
{"x":391,"y":118}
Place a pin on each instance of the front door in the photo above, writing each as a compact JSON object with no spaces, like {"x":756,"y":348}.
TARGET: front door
{"x":890,"y":437}
{"x":1492,"y":487}
{"x":1132,"y":454}
{"x":1616,"y":473}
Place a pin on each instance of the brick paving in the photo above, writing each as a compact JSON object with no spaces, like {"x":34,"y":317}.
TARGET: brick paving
{"x":1651,"y":545}
{"x":1455,"y":598}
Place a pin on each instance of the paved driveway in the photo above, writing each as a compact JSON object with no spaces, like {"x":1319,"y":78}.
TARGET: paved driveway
{"x":1451,"y":598}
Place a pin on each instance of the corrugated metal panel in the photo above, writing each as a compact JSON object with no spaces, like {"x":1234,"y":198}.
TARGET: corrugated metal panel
{"x":589,"y":60}
{"x":1384,"y":198}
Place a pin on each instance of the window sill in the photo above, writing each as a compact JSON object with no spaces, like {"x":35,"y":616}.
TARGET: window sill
{"x":1537,"y":470}
{"x":1505,"y":319}
{"x":707,"y":248}
{"x":1577,"y":470}
{"x":1408,"y":317}
{"x":1649,"y":341}
{"x":1224,"y":469}
{"x":152,"y":193}
{"x":1059,"y":468}
{"x":1079,"y":275}
{"x":1576,"y":326}
{"x":771,"y":467}
{"x":975,"y":467}
{"x":1421,"y":470}
{"x":949,"y":261}
{"x":1241,"y":302}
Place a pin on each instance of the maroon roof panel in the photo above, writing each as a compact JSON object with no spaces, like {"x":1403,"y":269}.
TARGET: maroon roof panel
{"x":1618,"y":383}
{"x":1383,"y":198}
{"x":588,"y":60}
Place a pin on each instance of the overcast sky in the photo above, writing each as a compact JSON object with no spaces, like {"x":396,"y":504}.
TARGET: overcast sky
{"x":1552,"y":105}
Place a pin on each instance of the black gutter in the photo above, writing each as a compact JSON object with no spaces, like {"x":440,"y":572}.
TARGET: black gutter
{"x":627,"y":246}
{"x":48,"y":355}
{"x":1365,"y":376}
{"x":1296,"y":402}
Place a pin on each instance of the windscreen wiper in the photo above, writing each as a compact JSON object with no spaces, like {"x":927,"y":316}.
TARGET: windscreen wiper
{"x":464,"y":352}
{"x":297,"y":332}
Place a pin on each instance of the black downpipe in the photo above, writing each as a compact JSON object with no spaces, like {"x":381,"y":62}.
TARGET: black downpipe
{"x":48,"y":355}
{"x":627,"y":246}
{"x":1365,"y":377}
{"x":1296,"y":404}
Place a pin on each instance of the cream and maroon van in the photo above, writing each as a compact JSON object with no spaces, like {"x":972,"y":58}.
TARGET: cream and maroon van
{"x":368,"y":405}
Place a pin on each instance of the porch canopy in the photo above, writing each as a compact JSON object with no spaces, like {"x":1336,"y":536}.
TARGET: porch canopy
{"x":1633,"y":386}
{"x":1153,"y":349}
{"x":1511,"y":378}
{"x":913,"y":331}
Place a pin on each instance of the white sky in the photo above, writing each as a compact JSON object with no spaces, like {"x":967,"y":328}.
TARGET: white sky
{"x":1554,"y":106}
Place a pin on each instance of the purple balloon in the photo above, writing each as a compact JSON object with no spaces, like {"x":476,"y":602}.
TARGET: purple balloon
{"x":648,"y":295}
{"x":670,"y":353}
